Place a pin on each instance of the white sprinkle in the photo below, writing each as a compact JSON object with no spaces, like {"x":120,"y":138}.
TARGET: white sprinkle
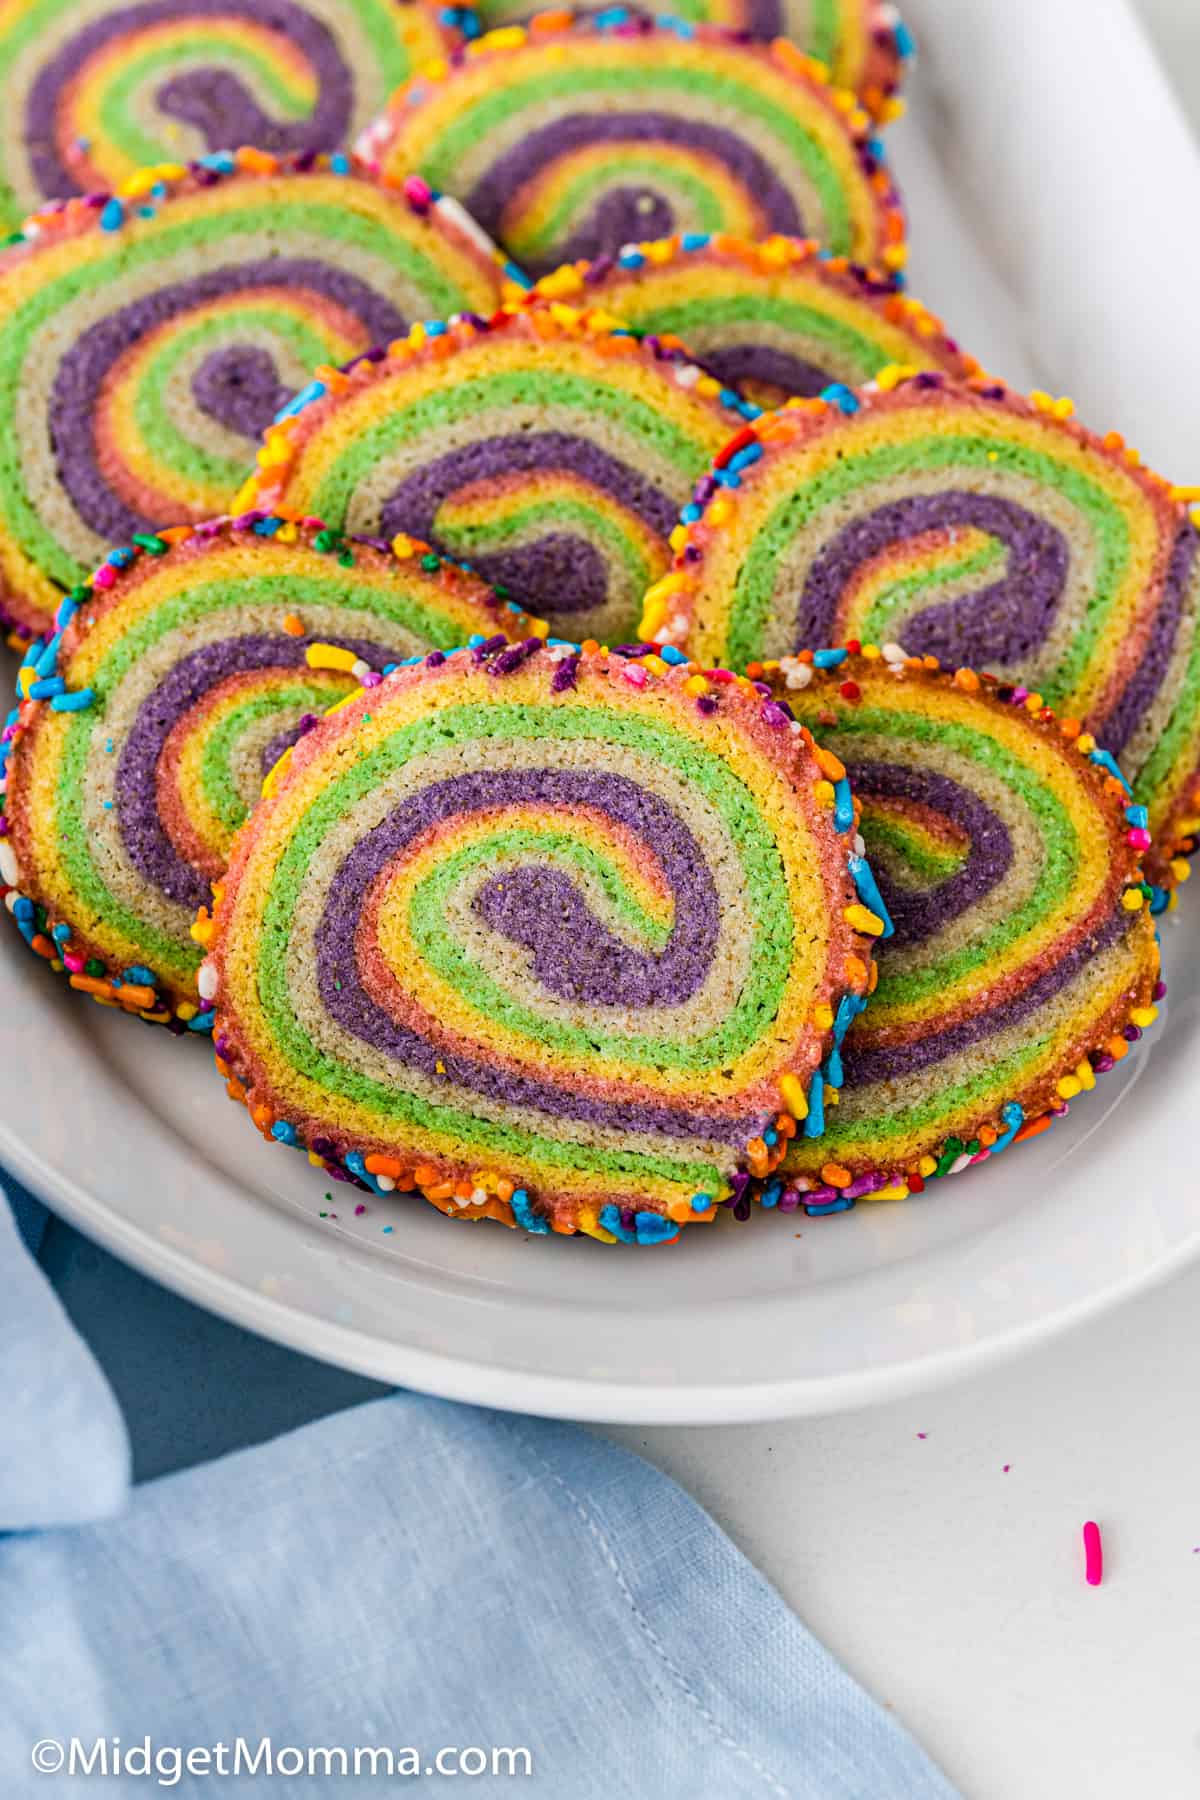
{"x":687,"y":375}
{"x":860,"y":847}
{"x":894,"y":653}
{"x":10,"y":874}
{"x":384,"y":1183}
{"x":796,"y":674}
{"x":360,"y":669}
{"x":960,"y":1163}
{"x":458,"y":215}
{"x":206,"y":981}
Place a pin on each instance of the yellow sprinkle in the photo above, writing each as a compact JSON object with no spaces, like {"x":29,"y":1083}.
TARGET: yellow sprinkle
{"x":655,"y":664}
{"x":1034,"y":703}
{"x":898,"y":1192}
{"x":871,"y":653}
{"x":1068,"y":1087}
{"x":678,"y":538}
{"x":894,"y":373}
{"x":591,"y":1227}
{"x":1085,"y":1074}
{"x":1144,"y":1015}
{"x":792,"y":1090}
{"x":1132,"y":899}
{"x":505,"y":37}
{"x":696,"y":684}
{"x":895,"y":256}
{"x":330,"y":656}
{"x":719,"y":509}
{"x":823,"y":1015}
{"x":1181,"y":868}
{"x":927,"y":1165}
{"x":709,"y":388}
{"x":287,"y":534}
{"x":863,"y":919}
{"x":1085,"y":743}
{"x":824,"y":793}
{"x":185,"y":1010}
{"x":272,"y":777}
{"x":201,"y":931}
{"x":566,"y":280}
{"x":1185,"y":493}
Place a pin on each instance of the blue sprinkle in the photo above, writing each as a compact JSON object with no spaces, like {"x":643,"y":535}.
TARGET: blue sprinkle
{"x":838,"y":394}
{"x":834,"y":1075}
{"x":145,"y":212}
{"x":653,"y":1228}
{"x":1014,"y":1117}
{"x":113,"y":215}
{"x":730,"y":397}
{"x":869,"y":894}
{"x":32,"y":653}
{"x":220,"y":160}
{"x":1104,"y":760}
{"x":283,"y":1132}
{"x":44,"y":690}
{"x":339,"y":162}
{"x":829,"y":659}
{"x":389,"y":667}
{"x":630,"y":258}
{"x":771,"y":1193}
{"x":357,"y":1166}
{"x":682,"y":28}
{"x":435,"y":328}
{"x":1159,"y":900}
{"x":833,"y":1206}
{"x":108,"y":745}
{"x":750,"y":454}
{"x":727,"y":477}
{"x":121,"y":557}
{"x":671,"y":655}
{"x":849,"y":1007}
{"x":610,"y":1218}
{"x":609,"y":17}
{"x":266,"y":527}
{"x":561,"y":643}
{"x":906,"y":45}
{"x":517,"y":274}
{"x":476,"y":638}
{"x":66,"y":613}
{"x":701,"y":1202}
{"x":814,"y":1124}
{"x":875,"y":148}
{"x":79,"y":701}
{"x":312,"y":391}
{"x":843,"y":805}
{"x":696,"y":240}
{"x":202,"y":1021}
{"x":525,"y":1215}
{"x":691,"y":513}
{"x":108,"y":806}
{"x":770,"y":1137}
{"x":12,"y":718}
{"x":61,"y":934}
{"x":49,"y":655}
{"x":22,"y":908}
{"x":141,"y":976}
{"x":1138,"y":817}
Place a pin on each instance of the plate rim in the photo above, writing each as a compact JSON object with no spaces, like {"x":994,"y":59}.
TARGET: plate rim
{"x":600,"y":1402}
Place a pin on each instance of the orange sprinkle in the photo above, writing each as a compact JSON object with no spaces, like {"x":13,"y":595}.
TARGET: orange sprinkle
{"x":293,"y":626}
{"x":1033,"y":1128}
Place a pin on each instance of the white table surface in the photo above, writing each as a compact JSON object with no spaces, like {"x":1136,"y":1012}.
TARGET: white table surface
{"x":955,"y":1591}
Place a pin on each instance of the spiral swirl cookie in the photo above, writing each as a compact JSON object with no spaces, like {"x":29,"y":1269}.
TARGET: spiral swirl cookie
{"x":147,"y":340}
{"x":570,"y":139}
{"x":1023,"y":960}
{"x":863,"y":43}
{"x":568,"y":937}
{"x":549,"y":451}
{"x":174,"y":681}
{"x":94,"y":89}
{"x":772,"y":319}
{"x":967,"y":523}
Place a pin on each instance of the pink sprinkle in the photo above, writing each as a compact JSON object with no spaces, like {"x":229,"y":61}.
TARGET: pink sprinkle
{"x":73,"y":962}
{"x":105,"y":576}
{"x":359,"y":1210}
{"x":922,"y":1434}
{"x":635,"y":675}
{"x":1006,"y":1468}
{"x":1093,"y":1553}
{"x":1139,"y":838}
{"x":418,"y":191}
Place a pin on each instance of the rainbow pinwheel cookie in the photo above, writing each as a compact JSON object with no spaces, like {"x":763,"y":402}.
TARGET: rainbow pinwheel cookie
{"x":577,"y":135}
{"x":965,"y":522}
{"x":147,"y":339}
{"x":1023,"y":960}
{"x":545,"y":448}
{"x":567,"y":939}
{"x":175,"y":679}
{"x":863,"y":43}
{"x":773,"y":319}
{"x":94,"y":89}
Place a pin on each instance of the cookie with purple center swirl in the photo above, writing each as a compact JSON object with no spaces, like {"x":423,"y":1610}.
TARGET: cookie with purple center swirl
{"x":962,"y":521}
{"x":94,"y":89}
{"x":176,"y":678}
{"x":774,"y":319}
{"x":147,"y":338}
{"x":554,"y":937}
{"x":1023,"y":960}
{"x":547,"y":449}
{"x":577,"y":135}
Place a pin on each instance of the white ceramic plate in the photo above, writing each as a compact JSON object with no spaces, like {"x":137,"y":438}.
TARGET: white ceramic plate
{"x":129,"y":1133}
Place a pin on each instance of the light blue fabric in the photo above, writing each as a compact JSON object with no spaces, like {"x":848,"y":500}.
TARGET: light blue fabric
{"x":64,"y":1454}
{"x":413,"y":1573}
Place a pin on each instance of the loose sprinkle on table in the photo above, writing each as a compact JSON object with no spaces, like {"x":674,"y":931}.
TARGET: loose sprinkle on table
{"x":1093,"y":1553}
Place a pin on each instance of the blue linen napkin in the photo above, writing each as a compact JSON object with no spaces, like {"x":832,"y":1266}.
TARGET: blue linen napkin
{"x":410,"y":1573}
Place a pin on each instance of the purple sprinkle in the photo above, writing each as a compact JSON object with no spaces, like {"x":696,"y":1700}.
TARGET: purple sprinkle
{"x":1132,"y":1033}
{"x":435,"y":659}
{"x":487,"y":648}
{"x":1160,"y":990}
{"x":706,"y":704}
{"x":773,"y":714}
{"x":1102,"y":1062}
{"x":628,"y":1222}
{"x":789,"y":1200}
{"x":511,"y":659}
{"x":565,"y":675}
